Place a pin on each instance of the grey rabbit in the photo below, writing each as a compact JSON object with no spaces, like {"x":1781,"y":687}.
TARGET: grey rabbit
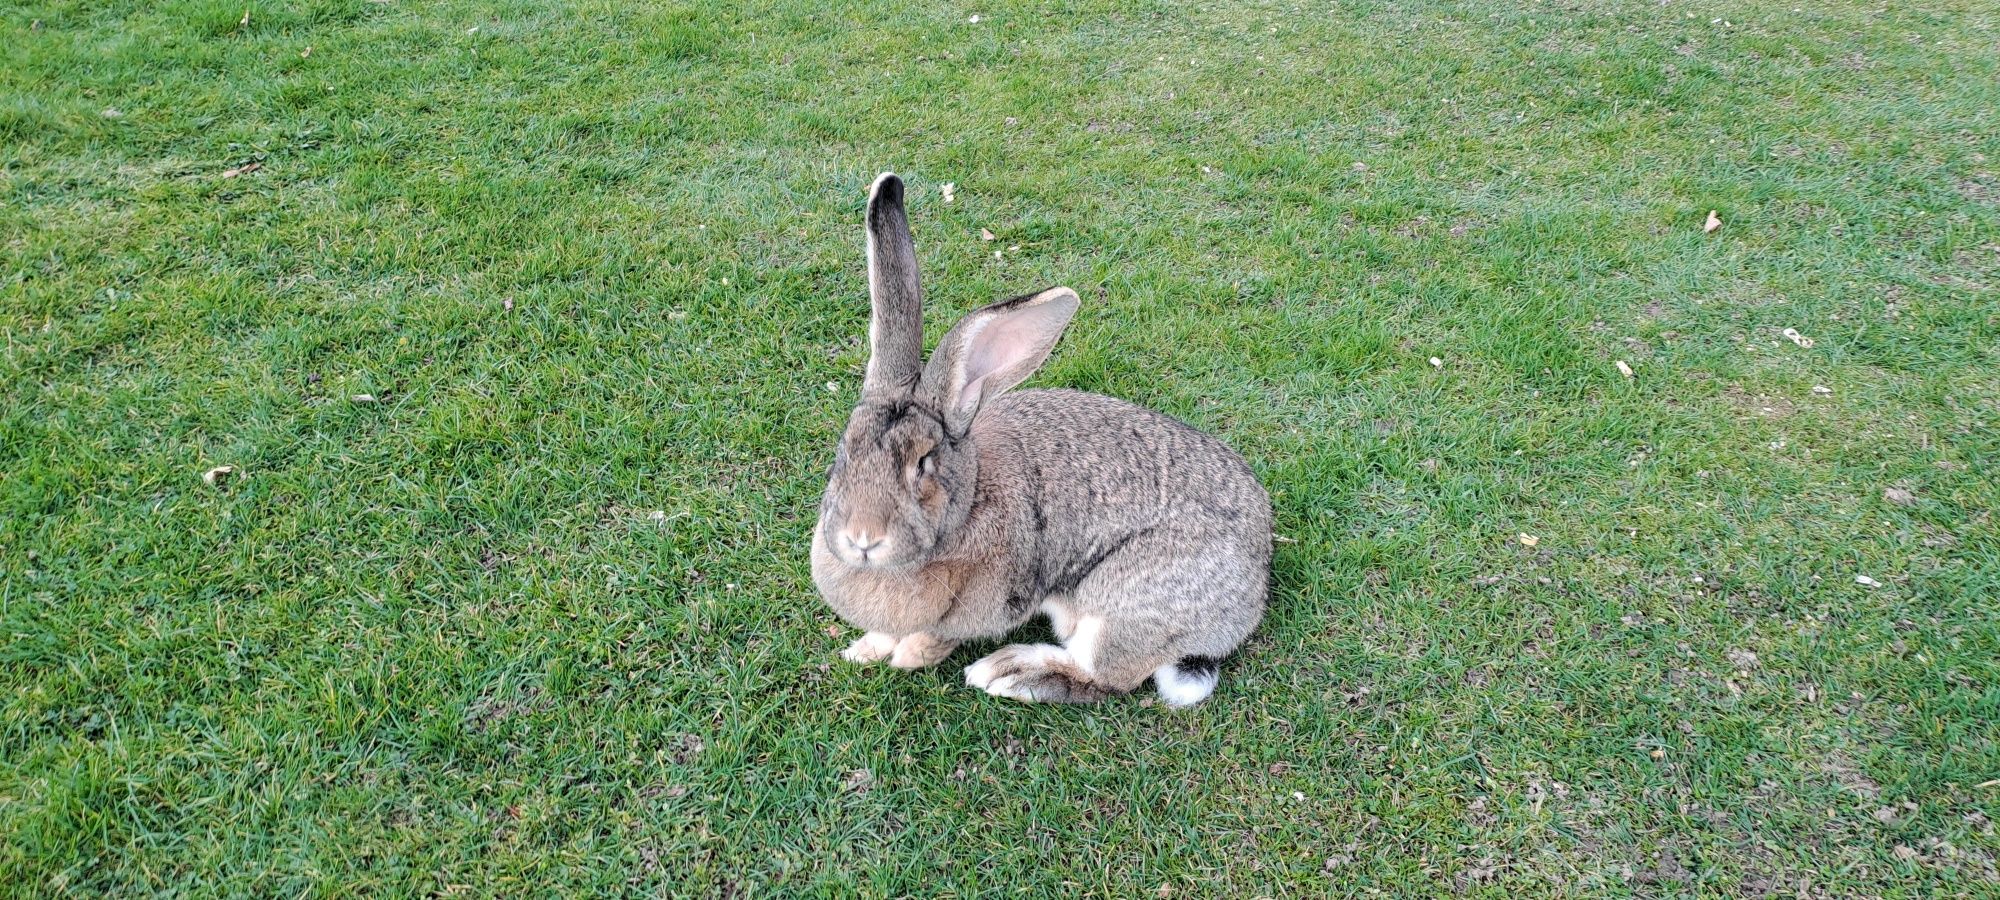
{"x":955,"y":510}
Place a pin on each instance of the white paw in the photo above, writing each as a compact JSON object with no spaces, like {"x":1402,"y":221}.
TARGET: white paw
{"x":980,"y":674}
{"x":872,"y":647}
{"x":1010,"y":687}
{"x":1018,"y":661}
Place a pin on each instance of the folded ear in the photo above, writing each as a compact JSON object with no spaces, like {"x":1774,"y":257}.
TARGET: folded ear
{"x":896,"y":298}
{"x":993,"y":349}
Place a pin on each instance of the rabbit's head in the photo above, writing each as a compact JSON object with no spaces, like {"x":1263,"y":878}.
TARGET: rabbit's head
{"x":904,"y":473}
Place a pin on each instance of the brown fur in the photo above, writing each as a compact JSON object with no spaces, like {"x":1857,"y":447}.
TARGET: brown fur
{"x":959,"y":509}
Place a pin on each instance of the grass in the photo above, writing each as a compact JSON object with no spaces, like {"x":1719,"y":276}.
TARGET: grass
{"x":538,"y":620}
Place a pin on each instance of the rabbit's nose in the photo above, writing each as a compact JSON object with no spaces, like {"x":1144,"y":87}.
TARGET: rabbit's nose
{"x":863,"y":539}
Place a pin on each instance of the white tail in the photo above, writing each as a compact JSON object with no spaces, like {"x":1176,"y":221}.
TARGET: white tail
{"x":1178,"y":688}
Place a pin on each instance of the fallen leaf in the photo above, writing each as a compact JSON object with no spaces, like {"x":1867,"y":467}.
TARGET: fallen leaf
{"x":1866,"y":581}
{"x":1822,"y":389}
{"x":1795,"y":337}
{"x":112,"y":113}
{"x":1529,"y":540}
{"x":308,"y":51}
{"x":1437,"y":363}
{"x":363,"y":398}
{"x":948,"y":188}
{"x":246,"y":19}
{"x":974,"y":20}
{"x":243,"y":169}
{"x":1898,"y":496}
{"x":1905,"y":852}
{"x":985,"y":235}
{"x":1886,"y":815}
{"x":1742,"y":659}
{"x":507,"y":304}
{"x":1658,"y":754}
{"x":1624,"y":369}
{"x":215,"y":475}
{"x":1714,"y":222}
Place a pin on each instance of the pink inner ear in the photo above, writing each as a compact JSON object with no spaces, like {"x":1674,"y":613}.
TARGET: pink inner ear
{"x":1001,"y":349}
{"x":1008,"y":348}
{"x":1003,"y":343}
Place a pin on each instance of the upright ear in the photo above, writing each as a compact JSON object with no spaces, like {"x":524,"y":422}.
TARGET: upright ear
{"x":993,"y":349}
{"x":896,"y":299}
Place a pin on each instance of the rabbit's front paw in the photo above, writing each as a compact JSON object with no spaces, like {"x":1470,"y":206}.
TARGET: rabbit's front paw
{"x":869,"y":649}
{"x":919,"y":650}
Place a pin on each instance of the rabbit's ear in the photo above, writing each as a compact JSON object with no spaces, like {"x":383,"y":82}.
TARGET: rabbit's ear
{"x":896,"y":323}
{"x":993,"y":349}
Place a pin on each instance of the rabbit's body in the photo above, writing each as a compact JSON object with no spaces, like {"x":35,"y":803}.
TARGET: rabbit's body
{"x":956,"y":512}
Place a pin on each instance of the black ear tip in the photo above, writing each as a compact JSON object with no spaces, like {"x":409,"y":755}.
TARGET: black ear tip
{"x":888,"y":189}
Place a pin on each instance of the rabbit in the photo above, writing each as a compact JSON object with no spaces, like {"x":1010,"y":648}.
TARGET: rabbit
{"x":955,"y":510}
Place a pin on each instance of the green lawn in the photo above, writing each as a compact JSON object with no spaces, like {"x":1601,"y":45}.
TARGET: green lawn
{"x":538,"y":619}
